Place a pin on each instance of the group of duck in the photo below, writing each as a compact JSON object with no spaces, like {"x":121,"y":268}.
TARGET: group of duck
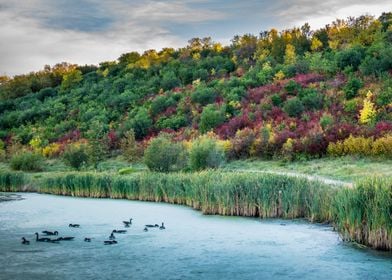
{"x":111,"y":238}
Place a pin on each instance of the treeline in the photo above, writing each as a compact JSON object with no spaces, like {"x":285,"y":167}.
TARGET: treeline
{"x":279,"y":94}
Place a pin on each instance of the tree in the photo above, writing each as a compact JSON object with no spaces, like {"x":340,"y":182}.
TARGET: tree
{"x":130,"y":148}
{"x":368,"y":113}
{"x":205,"y":153}
{"x":293,"y":107}
{"x":140,"y":123}
{"x":163,"y":155}
{"x":76,"y":156}
{"x":316,"y":44}
{"x":211,"y":117}
{"x":71,"y":78}
{"x":289,"y":57}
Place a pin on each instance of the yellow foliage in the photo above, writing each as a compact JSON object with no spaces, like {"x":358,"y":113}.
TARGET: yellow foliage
{"x":289,"y":57}
{"x":51,"y":150}
{"x":368,"y":112}
{"x":279,"y":76}
{"x":316,"y":44}
{"x":362,"y":146}
{"x":226,"y":145}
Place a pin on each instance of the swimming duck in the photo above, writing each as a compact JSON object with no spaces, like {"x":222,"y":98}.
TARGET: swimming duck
{"x":50,"y":232}
{"x":74,"y":225}
{"x":43,"y":239}
{"x":128,"y":223}
{"x":25,"y":241}
{"x":145,"y":229}
{"x":111,"y":237}
{"x":86,"y":239}
{"x":162,"y":226}
{"x":119,"y":231}
{"x":110,"y":242}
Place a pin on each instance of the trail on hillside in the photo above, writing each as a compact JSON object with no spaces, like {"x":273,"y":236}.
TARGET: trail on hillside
{"x":327,"y":181}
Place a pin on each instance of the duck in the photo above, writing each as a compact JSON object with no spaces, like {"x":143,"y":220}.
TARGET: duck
{"x":111,"y":237}
{"x":162,"y":226}
{"x":151,"y":226}
{"x":119,"y":231}
{"x":110,"y":242}
{"x":66,"y":238}
{"x":25,"y":241}
{"x":50,"y":232}
{"x":43,"y":239}
{"x":74,"y":225}
{"x":87,"y":239}
{"x":128,"y":223}
{"x":145,"y":229}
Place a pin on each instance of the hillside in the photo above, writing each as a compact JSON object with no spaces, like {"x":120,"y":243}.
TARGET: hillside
{"x":291,"y":94}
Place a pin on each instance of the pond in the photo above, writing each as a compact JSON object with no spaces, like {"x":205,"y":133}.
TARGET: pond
{"x":192,"y":246}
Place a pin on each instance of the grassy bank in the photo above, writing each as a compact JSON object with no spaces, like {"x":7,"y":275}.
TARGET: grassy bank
{"x":361,"y":214}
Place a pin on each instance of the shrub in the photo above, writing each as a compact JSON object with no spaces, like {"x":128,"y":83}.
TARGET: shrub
{"x":352,"y":86}
{"x":203,"y":95}
{"x":163,"y":155}
{"x":243,"y":142}
{"x":368,"y":113}
{"x":383,"y":147}
{"x":326,"y":121}
{"x":293,"y":107}
{"x":76,"y":156}
{"x":27,"y":161}
{"x":349,"y":58}
{"x":131,"y":150}
{"x":311,"y":99}
{"x":52,"y":150}
{"x":140,"y":123}
{"x":276,"y":100}
{"x":211,"y":117}
{"x":205,"y":153}
{"x":385,"y":96}
{"x":292,"y":87}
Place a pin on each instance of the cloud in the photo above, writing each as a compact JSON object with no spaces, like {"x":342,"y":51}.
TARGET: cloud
{"x":320,"y":13}
{"x":39,"y":32}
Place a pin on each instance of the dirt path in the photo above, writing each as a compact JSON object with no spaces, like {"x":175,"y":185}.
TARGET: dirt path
{"x":294,"y":174}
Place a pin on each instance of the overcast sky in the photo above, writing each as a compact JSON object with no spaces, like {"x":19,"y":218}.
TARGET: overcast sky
{"x":38,"y":32}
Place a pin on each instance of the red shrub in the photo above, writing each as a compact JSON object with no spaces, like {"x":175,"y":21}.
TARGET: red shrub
{"x":229,"y":129}
{"x":256,"y":94}
{"x":382,"y":128}
{"x":305,"y":79}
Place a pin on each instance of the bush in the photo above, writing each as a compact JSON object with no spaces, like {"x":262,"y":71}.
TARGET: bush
{"x":349,"y":58}
{"x":292,"y":87}
{"x":326,"y":121}
{"x":352,"y":86}
{"x":293,"y":107}
{"x":140,"y":123}
{"x":163,"y":155}
{"x":76,"y":156}
{"x":27,"y":161}
{"x":276,"y":100}
{"x":205,"y":153}
{"x":211,"y":117}
{"x":131,"y":150}
{"x":311,"y":99}
{"x":203,"y":95}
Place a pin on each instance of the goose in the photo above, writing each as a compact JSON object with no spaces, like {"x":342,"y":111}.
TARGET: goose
{"x":110,"y":242}
{"x":111,"y":237}
{"x":25,"y":241}
{"x":162,"y":226}
{"x":50,"y":232}
{"x":128,"y":223}
{"x":67,"y":238}
{"x":151,"y":226}
{"x":145,"y":229}
{"x":74,"y":225}
{"x":119,"y":231}
{"x":86,"y":239}
{"x":43,"y":239}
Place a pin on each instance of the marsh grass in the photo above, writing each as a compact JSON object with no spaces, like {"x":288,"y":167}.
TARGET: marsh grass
{"x":12,"y":181}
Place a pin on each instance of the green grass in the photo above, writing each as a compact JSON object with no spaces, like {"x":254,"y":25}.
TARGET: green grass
{"x":347,"y":169}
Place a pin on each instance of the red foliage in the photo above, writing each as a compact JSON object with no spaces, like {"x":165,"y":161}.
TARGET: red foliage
{"x":382,"y":128}
{"x":71,"y":136}
{"x":229,"y":129}
{"x":112,"y":139}
{"x":341,"y":131}
{"x":256,"y":94}
{"x":305,"y":79}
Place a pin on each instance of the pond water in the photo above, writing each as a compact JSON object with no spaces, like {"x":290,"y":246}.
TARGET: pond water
{"x":192,"y":246}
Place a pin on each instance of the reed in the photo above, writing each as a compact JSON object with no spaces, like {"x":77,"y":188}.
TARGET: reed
{"x":364,"y":214}
{"x":12,"y":182}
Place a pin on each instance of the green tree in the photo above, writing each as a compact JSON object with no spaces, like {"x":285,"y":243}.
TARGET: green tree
{"x":205,"y":153}
{"x":293,"y":107}
{"x":163,"y":155}
{"x":211,"y":117}
{"x":130,"y":148}
{"x":71,"y":79}
{"x":140,"y":123}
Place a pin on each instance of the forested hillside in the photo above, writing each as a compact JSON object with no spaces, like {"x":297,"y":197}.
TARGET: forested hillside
{"x":291,"y":94}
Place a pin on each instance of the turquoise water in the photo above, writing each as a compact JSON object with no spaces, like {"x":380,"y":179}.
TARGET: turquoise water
{"x":192,"y":246}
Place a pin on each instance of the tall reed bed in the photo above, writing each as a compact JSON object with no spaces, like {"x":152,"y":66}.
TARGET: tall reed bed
{"x":364,"y":214}
{"x":226,"y":193}
{"x":12,"y":181}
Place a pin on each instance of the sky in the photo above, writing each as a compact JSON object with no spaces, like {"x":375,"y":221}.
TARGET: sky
{"x":34,"y":33}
